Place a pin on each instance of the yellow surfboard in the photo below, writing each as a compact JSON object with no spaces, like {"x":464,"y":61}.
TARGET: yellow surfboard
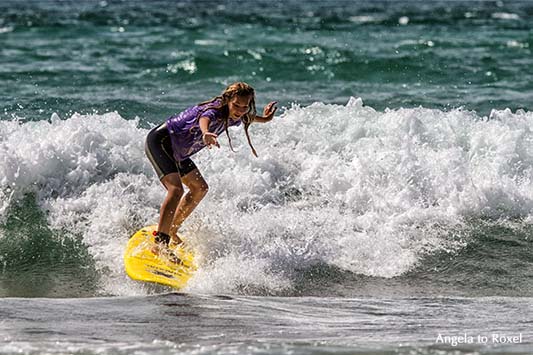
{"x":143,"y":265}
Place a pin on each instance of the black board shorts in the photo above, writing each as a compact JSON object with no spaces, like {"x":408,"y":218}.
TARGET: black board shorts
{"x":159,"y":150}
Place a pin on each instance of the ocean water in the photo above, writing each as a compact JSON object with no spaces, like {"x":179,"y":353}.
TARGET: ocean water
{"x":390,"y":210}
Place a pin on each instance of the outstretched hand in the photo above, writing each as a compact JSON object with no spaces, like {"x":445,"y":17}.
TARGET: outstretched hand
{"x":269,"y":110}
{"x":210,"y":139}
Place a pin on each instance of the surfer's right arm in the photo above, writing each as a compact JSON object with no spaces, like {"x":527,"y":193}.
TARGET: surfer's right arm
{"x":209,"y":138}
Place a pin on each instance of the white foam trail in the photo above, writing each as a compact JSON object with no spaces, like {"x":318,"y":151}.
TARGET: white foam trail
{"x":369,"y":192}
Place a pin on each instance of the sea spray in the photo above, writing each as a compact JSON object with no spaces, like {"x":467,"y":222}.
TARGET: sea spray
{"x":366,"y":191}
{"x":345,"y":186}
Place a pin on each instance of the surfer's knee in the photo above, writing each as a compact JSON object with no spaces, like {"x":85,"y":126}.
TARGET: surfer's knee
{"x":203,"y":188}
{"x":175,"y":190}
{"x":173,"y":185}
{"x":197,"y":185}
{"x":199,"y":189}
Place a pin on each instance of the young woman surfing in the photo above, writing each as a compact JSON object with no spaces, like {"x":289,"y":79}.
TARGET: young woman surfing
{"x":170,"y":145}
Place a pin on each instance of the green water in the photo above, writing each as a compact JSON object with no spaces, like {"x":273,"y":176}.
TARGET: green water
{"x":37,"y":261}
{"x":152,"y":59}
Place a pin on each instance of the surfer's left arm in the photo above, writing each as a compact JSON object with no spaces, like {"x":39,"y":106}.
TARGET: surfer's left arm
{"x":268,"y":113}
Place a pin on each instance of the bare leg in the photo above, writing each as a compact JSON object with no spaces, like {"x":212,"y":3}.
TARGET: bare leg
{"x":174,"y":187}
{"x":197,"y":191}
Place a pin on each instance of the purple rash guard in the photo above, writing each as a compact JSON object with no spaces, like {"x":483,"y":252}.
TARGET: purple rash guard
{"x":184,"y":128}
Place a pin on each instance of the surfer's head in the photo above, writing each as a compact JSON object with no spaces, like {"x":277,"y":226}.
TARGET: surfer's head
{"x":240,"y":98}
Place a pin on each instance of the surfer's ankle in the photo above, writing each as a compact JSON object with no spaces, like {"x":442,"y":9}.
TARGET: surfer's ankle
{"x":162,"y":238}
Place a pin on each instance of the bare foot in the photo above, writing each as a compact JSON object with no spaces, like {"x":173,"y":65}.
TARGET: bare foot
{"x":167,"y":251}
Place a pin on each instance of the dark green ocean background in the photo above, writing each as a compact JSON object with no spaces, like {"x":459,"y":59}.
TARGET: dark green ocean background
{"x":149,"y":59}
{"x":392,"y":200}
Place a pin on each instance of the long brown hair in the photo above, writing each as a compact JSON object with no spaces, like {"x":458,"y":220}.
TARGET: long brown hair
{"x":233,"y":90}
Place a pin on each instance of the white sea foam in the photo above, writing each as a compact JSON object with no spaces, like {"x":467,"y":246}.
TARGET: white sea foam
{"x":6,"y":29}
{"x":505,"y":16}
{"x":366,"y":19}
{"x":344,"y":185}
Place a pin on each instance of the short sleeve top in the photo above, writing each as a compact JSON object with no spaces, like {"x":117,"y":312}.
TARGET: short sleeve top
{"x":184,"y":128}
